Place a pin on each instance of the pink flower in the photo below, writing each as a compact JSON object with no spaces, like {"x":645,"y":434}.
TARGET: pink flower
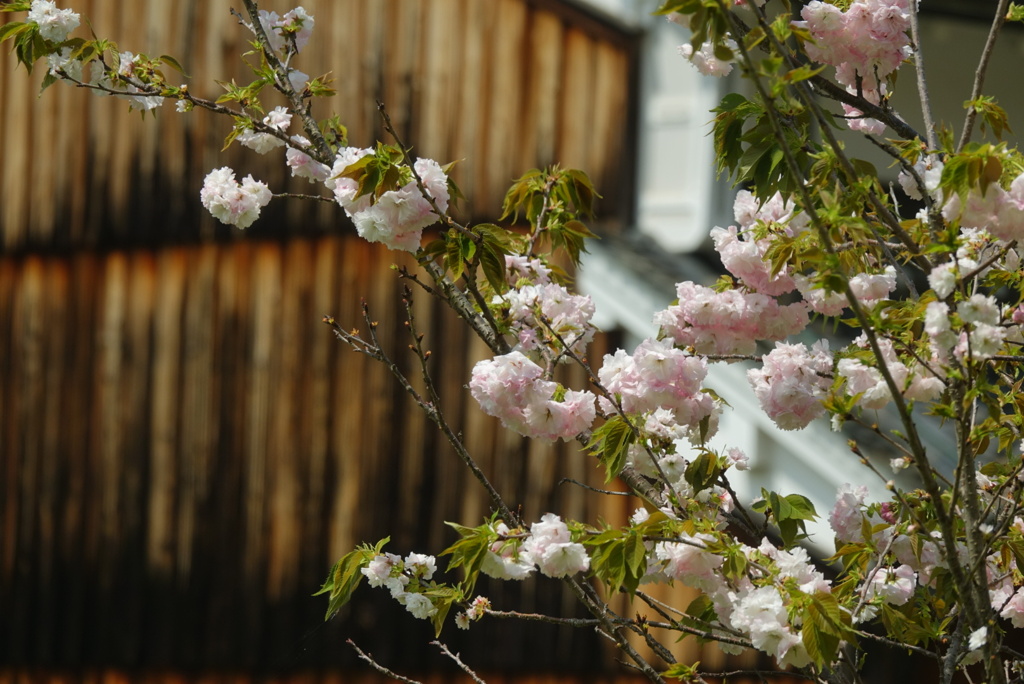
{"x":231,"y":202}
{"x":658,"y":376}
{"x":894,"y":586}
{"x":745,"y":259}
{"x":688,"y":560}
{"x":398,"y":216}
{"x":511,"y":387}
{"x":790,"y":384}
{"x":704,"y":58}
{"x":728,"y":322}
{"x":550,"y":547}
{"x":847,"y":514}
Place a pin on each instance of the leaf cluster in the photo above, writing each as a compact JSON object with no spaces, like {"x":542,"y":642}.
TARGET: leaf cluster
{"x":789,"y":513}
{"x":552,"y":201}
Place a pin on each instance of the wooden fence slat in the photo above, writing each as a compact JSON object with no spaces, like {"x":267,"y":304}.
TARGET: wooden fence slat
{"x":492,"y":83}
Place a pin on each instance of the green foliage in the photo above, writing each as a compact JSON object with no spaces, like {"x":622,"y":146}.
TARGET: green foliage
{"x":1015,"y":12}
{"x":731,"y":115}
{"x":247,"y":96}
{"x":495,"y":243}
{"x":826,"y":626}
{"x":703,"y":471}
{"x":618,"y":558}
{"x":469,"y":551}
{"x":610,"y":444}
{"x":443,"y":597}
{"x":684,"y":673}
{"x":379,"y":172}
{"x":992,"y":115}
{"x":552,"y":202}
{"x":345,"y":576}
{"x":977,"y":167}
{"x":334,"y":132}
{"x":29,"y":46}
{"x":789,"y":513}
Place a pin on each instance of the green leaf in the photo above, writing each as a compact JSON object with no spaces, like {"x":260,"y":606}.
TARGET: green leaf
{"x":826,"y":624}
{"x":442,"y":597}
{"x":992,"y":115}
{"x":802,"y":73}
{"x":173,"y":63}
{"x":684,"y":673}
{"x":681,"y":6}
{"x":345,"y":576}
{"x":492,"y":261}
{"x":703,"y":471}
{"x":14,"y":28}
{"x":1015,"y":12}
{"x":470,"y":551}
{"x":610,"y":443}
{"x":454,"y":260}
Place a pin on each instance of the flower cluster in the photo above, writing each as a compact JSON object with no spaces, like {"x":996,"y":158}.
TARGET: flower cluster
{"x":54,"y":24}
{"x":659,"y":376}
{"x":513,"y":388}
{"x":868,"y":288}
{"x":396,"y":218}
{"x":302,"y":165}
{"x":543,"y":317}
{"x":127,"y":65}
{"x":551,"y":549}
{"x":703,"y":58}
{"x":728,"y":322}
{"x":279,"y":119}
{"x":404,"y":579}
{"x":296,"y":23}
{"x":791,"y":383}
{"x":477,"y":609}
{"x":999,"y":211}
{"x":504,"y":560}
{"x":234,"y":203}
{"x":916,"y":382}
{"x":548,"y":547}
{"x":744,"y":256}
{"x":865,"y":43}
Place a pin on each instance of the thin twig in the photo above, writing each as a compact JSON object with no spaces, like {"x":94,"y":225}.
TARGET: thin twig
{"x":462,"y":666}
{"x":284,"y":85}
{"x":922,"y":86}
{"x":609,"y":492}
{"x":378,"y":667}
{"x":979,"y":73}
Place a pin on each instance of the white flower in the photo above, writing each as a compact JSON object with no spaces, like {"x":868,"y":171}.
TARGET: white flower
{"x":279,"y":119}
{"x":126,"y":68}
{"x":974,"y":643}
{"x":419,"y":605}
{"x":62,"y":62}
{"x":378,"y":571}
{"x":550,"y":548}
{"x":54,"y":24}
{"x":943,"y":279}
{"x":979,"y":309}
{"x":640,"y":515}
{"x":233,"y":203}
{"x":304,"y":166}
{"x":399,"y":216}
{"x":273,"y":25}
{"x":420,"y":565}
{"x":762,"y":614}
